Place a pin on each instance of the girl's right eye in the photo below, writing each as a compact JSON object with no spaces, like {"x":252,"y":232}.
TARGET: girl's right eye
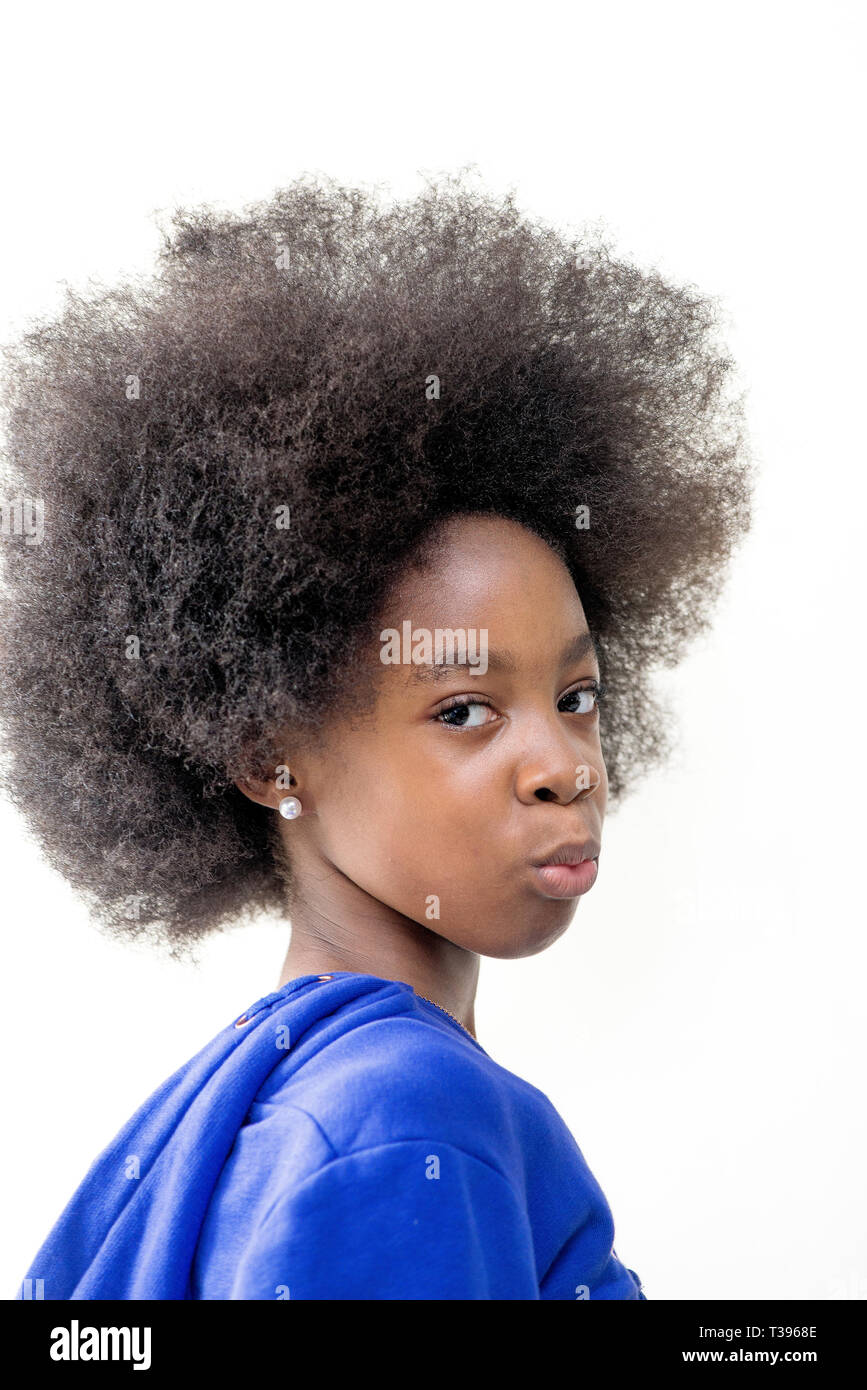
{"x":460,"y":707}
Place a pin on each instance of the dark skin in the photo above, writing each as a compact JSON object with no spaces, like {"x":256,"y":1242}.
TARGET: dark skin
{"x":402,"y":805}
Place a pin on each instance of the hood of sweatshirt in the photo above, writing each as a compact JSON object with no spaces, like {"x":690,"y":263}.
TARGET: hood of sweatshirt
{"x":131,"y":1228}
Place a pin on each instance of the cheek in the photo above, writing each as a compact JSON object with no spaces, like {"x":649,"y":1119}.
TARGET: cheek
{"x":402,"y":828}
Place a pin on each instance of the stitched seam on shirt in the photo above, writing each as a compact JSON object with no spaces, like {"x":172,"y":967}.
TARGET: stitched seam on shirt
{"x":313,"y":1120}
{"x":419,"y":1139}
{"x":392,"y":1143}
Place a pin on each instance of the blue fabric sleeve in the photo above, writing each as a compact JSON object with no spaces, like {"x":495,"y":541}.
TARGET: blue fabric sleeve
{"x":415,"y":1219}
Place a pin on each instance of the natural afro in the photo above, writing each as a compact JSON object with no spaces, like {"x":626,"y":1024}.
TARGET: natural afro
{"x":170,"y":623}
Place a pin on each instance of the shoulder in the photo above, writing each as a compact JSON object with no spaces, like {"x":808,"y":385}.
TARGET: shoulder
{"x":406,"y":1077}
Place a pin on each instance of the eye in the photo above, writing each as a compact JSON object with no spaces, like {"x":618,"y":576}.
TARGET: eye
{"x":587,"y":698}
{"x":461,"y":707}
{"x":468,"y":711}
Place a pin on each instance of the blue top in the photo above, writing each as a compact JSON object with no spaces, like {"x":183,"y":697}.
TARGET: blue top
{"x":344,"y":1139}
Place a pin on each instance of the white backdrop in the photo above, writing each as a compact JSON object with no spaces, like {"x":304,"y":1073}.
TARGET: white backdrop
{"x":700,"y":1027}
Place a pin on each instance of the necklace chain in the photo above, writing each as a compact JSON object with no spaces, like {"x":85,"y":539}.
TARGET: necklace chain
{"x":421,"y":996}
{"x":445,"y":1011}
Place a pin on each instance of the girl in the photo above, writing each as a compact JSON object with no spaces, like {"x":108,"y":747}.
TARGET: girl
{"x":363,"y":528}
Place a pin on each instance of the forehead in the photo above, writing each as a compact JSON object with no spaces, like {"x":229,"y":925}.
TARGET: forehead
{"x":486,"y":571}
{"x":500,"y":585}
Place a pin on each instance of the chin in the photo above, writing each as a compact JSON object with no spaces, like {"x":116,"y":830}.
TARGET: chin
{"x":530,"y":937}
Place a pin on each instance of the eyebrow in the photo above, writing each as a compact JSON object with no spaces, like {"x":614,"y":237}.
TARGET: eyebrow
{"x":502,"y":660}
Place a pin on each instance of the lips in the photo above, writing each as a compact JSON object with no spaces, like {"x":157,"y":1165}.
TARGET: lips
{"x":567,"y":880}
{"x":572,"y":853}
{"x":567,"y":871}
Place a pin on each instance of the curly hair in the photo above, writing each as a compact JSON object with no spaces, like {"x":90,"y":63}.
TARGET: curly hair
{"x":363,"y":371}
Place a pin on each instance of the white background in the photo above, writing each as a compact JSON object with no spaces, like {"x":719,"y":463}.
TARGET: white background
{"x":700,"y":1027}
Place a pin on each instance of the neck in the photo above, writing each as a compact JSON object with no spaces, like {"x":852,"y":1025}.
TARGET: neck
{"x":337,"y":926}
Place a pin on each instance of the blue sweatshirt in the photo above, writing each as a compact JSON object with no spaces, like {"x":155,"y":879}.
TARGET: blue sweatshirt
{"x":343,"y":1139}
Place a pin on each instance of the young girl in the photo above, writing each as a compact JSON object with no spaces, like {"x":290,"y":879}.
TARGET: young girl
{"x":364,"y":527}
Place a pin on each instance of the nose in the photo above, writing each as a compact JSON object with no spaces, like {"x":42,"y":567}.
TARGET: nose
{"x":557,"y":770}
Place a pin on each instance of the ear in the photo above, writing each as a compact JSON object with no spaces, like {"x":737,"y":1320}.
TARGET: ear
{"x":268,"y":792}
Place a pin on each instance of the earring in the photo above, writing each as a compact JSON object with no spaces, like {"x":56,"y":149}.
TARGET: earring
{"x":290,"y":807}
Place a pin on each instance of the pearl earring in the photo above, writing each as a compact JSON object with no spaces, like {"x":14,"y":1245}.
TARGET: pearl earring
{"x":290,"y":807}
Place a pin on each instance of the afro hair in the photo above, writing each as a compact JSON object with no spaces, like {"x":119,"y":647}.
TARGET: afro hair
{"x":237,"y":455}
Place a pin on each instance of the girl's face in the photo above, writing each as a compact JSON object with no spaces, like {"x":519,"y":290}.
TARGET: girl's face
{"x":444,"y":800}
